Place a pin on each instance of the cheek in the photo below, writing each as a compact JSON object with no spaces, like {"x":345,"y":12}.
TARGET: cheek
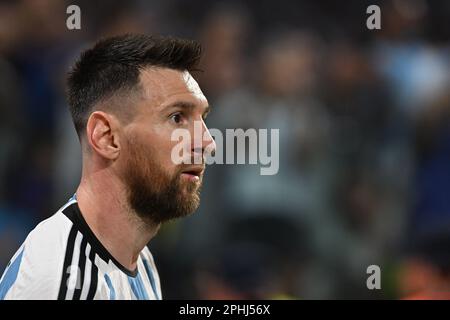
{"x":180,"y":152}
{"x":160,"y":147}
{"x":156,"y":146}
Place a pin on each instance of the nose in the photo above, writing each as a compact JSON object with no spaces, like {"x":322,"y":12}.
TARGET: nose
{"x":204,"y":143}
{"x":209,"y":144}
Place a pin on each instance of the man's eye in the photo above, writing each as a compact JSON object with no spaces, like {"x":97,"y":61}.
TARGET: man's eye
{"x":177,"y":118}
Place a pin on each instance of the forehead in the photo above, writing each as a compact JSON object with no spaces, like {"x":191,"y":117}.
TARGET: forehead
{"x":163,"y":86}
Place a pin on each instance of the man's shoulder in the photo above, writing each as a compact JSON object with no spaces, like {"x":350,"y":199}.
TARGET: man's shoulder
{"x":147,"y":255}
{"x":47,"y":242}
{"x":51,"y":232}
{"x":35,"y":270}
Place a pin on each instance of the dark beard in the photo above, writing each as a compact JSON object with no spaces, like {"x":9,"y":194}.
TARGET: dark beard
{"x":152,"y":194}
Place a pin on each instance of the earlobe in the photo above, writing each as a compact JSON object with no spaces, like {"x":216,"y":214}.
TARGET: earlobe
{"x":102,"y":135}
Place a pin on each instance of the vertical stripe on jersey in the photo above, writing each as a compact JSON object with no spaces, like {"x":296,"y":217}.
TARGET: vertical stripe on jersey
{"x":81,"y":269}
{"x":10,"y":276}
{"x":87,"y":274}
{"x":67,"y":261}
{"x":151,"y":278}
{"x":138,"y":288}
{"x":94,"y":277}
{"x":74,"y":268}
{"x":112,"y":292}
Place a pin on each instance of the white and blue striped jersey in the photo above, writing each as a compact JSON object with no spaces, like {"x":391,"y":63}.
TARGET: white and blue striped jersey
{"x":62,"y":259}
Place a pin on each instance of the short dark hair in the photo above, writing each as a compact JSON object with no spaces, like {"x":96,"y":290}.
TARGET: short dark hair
{"x":113,"y":65}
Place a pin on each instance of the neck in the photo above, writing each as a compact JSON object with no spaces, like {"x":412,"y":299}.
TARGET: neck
{"x":103,"y":202}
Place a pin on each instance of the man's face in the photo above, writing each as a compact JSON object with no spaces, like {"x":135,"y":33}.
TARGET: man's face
{"x":158,"y":188}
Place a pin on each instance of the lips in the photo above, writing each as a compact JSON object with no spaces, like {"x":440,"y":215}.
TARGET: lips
{"x":193,"y":173}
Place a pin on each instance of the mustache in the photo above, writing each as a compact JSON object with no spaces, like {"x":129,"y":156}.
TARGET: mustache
{"x":197,"y":156}
{"x":196,"y":159}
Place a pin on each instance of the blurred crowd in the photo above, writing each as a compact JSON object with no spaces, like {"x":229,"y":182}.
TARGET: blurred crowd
{"x":364,"y":176}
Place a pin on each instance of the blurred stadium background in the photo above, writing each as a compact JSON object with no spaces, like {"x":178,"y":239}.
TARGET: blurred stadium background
{"x":364,"y":141}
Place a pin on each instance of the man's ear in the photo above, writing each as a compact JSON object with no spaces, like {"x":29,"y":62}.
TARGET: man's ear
{"x":102,"y":134}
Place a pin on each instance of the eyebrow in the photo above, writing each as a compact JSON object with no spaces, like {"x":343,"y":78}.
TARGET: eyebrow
{"x":187,"y":105}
